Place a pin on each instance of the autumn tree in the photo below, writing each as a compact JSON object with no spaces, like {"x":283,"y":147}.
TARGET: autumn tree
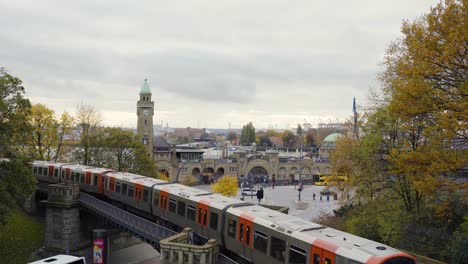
{"x":66,"y":125}
{"x":226,"y":186}
{"x":248,"y":134}
{"x":44,"y":136}
{"x":232,"y":136}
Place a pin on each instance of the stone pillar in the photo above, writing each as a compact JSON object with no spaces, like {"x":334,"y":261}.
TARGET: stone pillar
{"x":62,"y":218}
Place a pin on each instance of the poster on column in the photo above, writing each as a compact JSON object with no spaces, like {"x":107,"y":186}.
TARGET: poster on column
{"x":98,"y":251}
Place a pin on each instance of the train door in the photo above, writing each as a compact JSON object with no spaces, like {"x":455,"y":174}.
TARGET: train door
{"x":100,"y":183}
{"x":88,"y":178}
{"x":323,"y":252}
{"x":67,"y":174}
{"x":51,"y":171}
{"x":202,"y":214}
{"x":163,"y":200}
{"x":245,"y":234}
{"x":138,"y":194}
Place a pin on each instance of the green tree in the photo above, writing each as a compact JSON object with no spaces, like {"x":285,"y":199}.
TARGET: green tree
{"x":264,"y":141}
{"x":310,"y":138}
{"x":65,"y":129}
{"x":14,"y":110}
{"x":231,"y":136}
{"x":248,"y":134}
{"x":289,"y":139}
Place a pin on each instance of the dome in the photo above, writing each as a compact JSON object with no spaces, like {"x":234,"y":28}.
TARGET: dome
{"x":332,"y":138}
{"x":145,"y":89}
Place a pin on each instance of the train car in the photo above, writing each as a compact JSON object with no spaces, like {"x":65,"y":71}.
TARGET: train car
{"x":47,"y":171}
{"x":131,"y":189}
{"x":262,"y":235}
{"x":89,"y":178}
{"x":252,"y":232}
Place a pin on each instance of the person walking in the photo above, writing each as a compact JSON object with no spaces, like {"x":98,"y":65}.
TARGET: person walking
{"x":313,"y":196}
{"x":260,"y":195}
{"x":320,"y":197}
{"x":328,"y":197}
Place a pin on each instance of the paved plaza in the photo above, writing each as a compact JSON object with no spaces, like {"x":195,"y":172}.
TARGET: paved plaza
{"x":287,"y":196}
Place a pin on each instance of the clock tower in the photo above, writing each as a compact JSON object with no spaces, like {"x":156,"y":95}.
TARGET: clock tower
{"x":145,"y":112}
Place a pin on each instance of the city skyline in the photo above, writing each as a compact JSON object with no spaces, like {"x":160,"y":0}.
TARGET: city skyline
{"x":208,"y":65}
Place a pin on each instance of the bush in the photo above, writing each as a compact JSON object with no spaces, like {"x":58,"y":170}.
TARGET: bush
{"x":226,"y":186}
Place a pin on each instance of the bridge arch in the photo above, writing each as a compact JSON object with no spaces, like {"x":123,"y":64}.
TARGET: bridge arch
{"x":207,"y":175}
{"x":219,"y":172}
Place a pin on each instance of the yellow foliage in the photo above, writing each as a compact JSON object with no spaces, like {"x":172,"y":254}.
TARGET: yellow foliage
{"x":226,"y":186}
{"x":163,"y":177}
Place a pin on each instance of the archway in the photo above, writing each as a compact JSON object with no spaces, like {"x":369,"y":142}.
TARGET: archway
{"x":207,"y":174}
{"x":219,"y":173}
{"x":196,"y":172}
{"x":257,"y":174}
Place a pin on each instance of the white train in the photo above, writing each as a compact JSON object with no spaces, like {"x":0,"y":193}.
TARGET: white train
{"x":251,"y":232}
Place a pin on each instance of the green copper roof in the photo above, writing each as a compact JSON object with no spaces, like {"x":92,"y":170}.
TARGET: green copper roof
{"x":145,"y":88}
{"x":333,"y":137}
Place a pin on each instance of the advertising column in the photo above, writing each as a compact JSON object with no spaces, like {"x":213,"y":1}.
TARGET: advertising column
{"x":100,"y":246}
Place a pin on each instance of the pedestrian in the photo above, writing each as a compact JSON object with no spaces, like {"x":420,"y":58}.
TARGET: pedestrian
{"x":190,"y":238}
{"x":328,"y":197}
{"x":320,"y":197}
{"x":260,"y":195}
{"x":313,"y":196}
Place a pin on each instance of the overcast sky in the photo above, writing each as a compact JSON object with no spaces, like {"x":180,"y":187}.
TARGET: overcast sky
{"x":209,"y":63}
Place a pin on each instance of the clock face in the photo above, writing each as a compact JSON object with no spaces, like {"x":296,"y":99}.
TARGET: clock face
{"x":145,"y":112}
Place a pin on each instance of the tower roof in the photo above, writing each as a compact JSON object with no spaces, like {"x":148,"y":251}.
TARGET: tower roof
{"x":145,"y":89}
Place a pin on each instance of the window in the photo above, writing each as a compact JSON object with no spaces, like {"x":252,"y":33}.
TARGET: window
{"x":130,"y":191}
{"x":145,"y":122}
{"x":45,"y":171}
{"x":181,"y":208}
{"x":80,"y":261}
{"x":35,"y":170}
{"x":278,"y":248}
{"x":247,"y":236}
{"x":297,"y":255}
{"x":40,"y":170}
{"x":56,"y":172}
{"x":316,"y":259}
{"x":95,"y":176}
{"x":200,"y":213}
{"x":214,"y":220}
{"x":232,"y":228}
{"x":328,"y":261}
{"x":241,"y":232}
{"x":124,"y":188}
{"x":156,"y":199}
{"x":145,"y":195}
{"x":260,"y":241}
{"x":205,"y":216}
{"x":172,"y":205}
{"x":191,"y":213}
{"x":82,"y":178}
{"x":117,"y":187}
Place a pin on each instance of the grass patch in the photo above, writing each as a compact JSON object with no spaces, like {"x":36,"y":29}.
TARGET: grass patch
{"x":21,"y":236}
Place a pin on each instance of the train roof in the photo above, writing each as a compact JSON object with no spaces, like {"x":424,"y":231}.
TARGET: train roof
{"x":84,"y":168}
{"x":48,"y":163}
{"x":135,"y":178}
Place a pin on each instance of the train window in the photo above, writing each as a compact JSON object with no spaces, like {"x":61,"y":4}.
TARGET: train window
{"x":278,"y":248}
{"x":247,"y":236}
{"x":131,"y":191}
{"x":213,"y":220}
{"x":205,"y":215}
{"x":191,"y":212}
{"x":327,"y":261}
{"x":156,"y":199}
{"x":124,"y":188}
{"x":40,"y":170}
{"x":172,"y":205}
{"x":180,"y":208}
{"x":117,"y":187}
{"x":95,"y":177}
{"x":241,"y":232}
{"x":232,"y":228}
{"x":145,"y":195}
{"x":56,"y":172}
{"x":45,"y":171}
{"x":297,"y":255}
{"x":260,"y":241}
{"x":200,"y":212}
{"x":316,"y":259}
{"x":82,"y":178}
{"x":35,"y":170}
